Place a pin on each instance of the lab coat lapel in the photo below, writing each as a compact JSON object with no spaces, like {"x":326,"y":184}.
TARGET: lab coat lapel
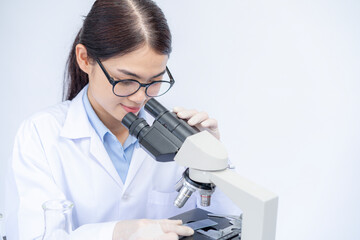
{"x":98,"y":150}
{"x":77,"y":126}
{"x":139,"y":156}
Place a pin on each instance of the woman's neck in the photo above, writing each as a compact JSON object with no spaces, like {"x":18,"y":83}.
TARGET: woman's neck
{"x":113,"y":124}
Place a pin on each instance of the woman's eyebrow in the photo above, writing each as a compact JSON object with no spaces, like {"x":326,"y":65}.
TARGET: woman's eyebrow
{"x":137,"y":76}
{"x":158,"y":75}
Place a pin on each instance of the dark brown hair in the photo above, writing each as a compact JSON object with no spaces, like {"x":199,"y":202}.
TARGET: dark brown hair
{"x":115,"y":28}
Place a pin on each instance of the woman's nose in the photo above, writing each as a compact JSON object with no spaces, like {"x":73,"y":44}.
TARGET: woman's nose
{"x":139,"y":96}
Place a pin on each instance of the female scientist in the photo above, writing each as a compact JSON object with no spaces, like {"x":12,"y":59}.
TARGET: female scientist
{"x":79,"y":150}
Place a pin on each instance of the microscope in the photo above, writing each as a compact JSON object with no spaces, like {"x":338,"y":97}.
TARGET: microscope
{"x":205,"y":157}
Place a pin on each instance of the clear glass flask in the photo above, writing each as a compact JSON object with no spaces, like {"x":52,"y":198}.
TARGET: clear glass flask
{"x":2,"y":232}
{"x":58,"y":220}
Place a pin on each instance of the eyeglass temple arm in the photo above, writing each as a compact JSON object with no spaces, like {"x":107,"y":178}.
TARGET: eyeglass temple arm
{"x":105,"y":72}
{"x":168,"y":72}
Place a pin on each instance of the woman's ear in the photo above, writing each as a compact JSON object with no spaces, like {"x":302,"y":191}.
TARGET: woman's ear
{"x":82,"y":58}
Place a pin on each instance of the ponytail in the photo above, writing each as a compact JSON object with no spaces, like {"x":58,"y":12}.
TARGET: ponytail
{"x":75,"y":78}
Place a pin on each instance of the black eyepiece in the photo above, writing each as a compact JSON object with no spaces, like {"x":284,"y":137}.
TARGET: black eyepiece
{"x":176,"y":126}
{"x":164,"y":138}
{"x":155,"y":108}
{"x":138,"y":127}
{"x":128,"y":120}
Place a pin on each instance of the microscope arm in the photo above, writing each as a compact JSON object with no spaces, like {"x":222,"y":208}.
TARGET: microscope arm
{"x":206,"y":158}
{"x":259,"y":206}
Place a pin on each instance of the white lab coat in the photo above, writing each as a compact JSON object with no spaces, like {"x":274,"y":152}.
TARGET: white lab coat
{"x":58,"y":155}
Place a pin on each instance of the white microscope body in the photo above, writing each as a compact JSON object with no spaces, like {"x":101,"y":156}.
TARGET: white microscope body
{"x":170,"y":138}
{"x":207,"y":160}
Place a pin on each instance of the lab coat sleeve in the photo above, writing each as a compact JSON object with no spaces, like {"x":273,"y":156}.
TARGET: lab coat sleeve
{"x":33,"y":184}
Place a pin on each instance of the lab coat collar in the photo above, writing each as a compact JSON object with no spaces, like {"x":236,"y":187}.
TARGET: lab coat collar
{"x":76,"y":124}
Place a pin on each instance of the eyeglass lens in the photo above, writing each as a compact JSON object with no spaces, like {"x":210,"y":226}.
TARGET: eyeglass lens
{"x":126,"y":88}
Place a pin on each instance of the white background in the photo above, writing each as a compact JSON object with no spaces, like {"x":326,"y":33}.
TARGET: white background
{"x":281,"y":77}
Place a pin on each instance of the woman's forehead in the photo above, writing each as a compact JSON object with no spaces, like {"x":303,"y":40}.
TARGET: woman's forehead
{"x":140,"y":61}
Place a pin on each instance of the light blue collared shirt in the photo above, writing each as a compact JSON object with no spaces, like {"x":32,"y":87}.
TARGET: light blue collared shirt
{"x":119,"y":155}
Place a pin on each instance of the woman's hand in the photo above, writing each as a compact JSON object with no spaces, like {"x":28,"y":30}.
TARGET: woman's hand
{"x":146,"y":229}
{"x":200,"y":120}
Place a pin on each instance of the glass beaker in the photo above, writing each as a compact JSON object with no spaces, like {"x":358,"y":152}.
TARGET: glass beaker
{"x":2,"y":232}
{"x":58,"y":220}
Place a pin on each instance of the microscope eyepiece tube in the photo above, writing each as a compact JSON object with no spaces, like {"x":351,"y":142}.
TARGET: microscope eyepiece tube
{"x":137,"y":126}
{"x":128,"y":120}
{"x":155,"y":108}
{"x":158,"y":141}
{"x":176,"y":126}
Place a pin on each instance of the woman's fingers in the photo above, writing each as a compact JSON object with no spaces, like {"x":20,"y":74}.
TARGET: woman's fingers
{"x":200,"y":120}
{"x":150,"y":229}
{"x":210,"y":123}
{"x":193,"y":117}
{"x":177,"y":109}
{"x":170,"y":221}
{"x":185,"y":113}
{"x":178,"y":229}
{"x":168,"y":236}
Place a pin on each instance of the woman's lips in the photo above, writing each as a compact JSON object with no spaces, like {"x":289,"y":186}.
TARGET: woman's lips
{"x":131,"y":109}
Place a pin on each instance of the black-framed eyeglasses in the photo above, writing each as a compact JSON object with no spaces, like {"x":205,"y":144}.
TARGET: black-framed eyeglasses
{"x":128,"y":87}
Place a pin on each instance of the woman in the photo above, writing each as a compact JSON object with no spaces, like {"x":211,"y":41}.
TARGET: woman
{"x":79,"y":150}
